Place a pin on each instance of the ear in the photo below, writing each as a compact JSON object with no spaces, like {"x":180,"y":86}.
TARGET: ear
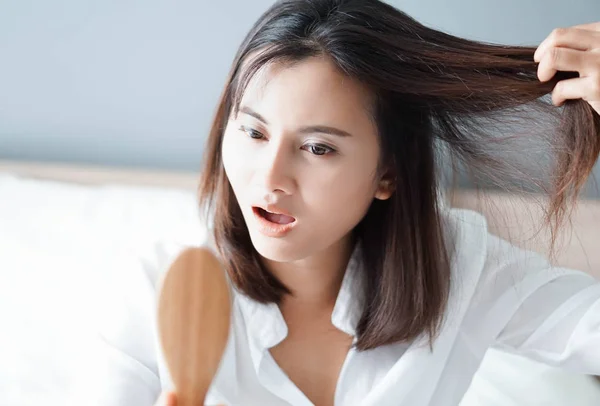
{"x":386,"y":188}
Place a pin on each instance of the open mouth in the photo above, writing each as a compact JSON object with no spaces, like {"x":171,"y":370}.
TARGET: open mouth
{"x":275,"y":218}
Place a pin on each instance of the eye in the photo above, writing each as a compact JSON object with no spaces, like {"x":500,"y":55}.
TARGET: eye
{"x":319,"y":149}
{"x":252,"y":133}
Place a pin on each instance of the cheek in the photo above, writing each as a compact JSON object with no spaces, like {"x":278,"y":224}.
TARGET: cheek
{"x":354,"y":182}
{"x":344,"y":197}
{"x":355,"y":193}
{"x":233,"y":161}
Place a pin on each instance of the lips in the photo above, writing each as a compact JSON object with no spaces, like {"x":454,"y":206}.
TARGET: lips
{"x":272,"y":222}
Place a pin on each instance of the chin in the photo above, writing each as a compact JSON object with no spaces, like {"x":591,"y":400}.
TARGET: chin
{"x":276,"y":249}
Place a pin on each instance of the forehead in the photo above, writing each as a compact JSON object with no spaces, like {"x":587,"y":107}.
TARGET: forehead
{"x":312,"y":89}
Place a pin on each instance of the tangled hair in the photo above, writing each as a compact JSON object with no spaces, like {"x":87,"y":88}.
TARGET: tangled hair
{"x":433,"y":93}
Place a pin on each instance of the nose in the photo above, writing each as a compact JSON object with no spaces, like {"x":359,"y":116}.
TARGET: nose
{"x":276,"y":174}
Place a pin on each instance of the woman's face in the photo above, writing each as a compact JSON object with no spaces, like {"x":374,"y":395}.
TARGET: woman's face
{"x":303,"y":145}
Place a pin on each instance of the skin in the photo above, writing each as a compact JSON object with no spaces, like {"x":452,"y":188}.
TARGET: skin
{"x":311,"y":175}
{"x":574,"y":49}
{"x":316,"y":189}
{"x":269,"y":158}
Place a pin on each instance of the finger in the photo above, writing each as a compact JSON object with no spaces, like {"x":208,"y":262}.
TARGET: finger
{"x":575,"y":38}
{"x":589,"y":26}
{"x":586,"y":88}
{"x":570,"y":60}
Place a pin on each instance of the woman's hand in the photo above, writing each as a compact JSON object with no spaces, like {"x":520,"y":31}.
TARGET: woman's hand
{"x":574,"y":49}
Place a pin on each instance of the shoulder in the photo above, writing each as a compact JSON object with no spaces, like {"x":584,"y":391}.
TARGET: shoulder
{"x":470,"y":239}
{"x":484,"y":266}
{"x":488,"y":270}
{"x":466,"y":235}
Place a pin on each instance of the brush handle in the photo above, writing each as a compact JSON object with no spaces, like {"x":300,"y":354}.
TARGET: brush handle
{"x":194,"y":319}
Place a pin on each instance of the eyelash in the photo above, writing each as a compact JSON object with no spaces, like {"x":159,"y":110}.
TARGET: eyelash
{"x":256,"y":135}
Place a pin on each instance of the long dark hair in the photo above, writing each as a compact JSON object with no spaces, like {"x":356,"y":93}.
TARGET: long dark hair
{"x":433,"y":92}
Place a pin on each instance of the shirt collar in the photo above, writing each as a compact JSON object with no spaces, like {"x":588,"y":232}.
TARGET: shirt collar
{"x":266,"y":326}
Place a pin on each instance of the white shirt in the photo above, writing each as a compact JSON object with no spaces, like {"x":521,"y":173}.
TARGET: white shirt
{"x":502,"y":297}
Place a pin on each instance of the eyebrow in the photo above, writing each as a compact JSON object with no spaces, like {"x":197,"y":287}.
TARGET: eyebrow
{"x":302,"y":130}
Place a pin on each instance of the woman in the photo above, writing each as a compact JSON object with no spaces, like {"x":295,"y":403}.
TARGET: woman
{"x":354,"y":283}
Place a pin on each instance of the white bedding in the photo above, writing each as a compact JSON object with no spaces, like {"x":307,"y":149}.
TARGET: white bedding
{"x":67,"y":251}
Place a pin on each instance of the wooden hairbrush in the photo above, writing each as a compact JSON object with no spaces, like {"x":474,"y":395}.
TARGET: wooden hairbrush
{"x":194,"y":311}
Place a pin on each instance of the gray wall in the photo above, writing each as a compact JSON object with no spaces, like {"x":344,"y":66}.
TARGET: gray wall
{"x":135,"y":83}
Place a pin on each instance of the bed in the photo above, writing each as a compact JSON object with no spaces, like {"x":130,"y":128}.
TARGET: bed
{"x":65,"y":230}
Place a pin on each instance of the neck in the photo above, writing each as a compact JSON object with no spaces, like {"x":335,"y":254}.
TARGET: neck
{"x":315,"y":281}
